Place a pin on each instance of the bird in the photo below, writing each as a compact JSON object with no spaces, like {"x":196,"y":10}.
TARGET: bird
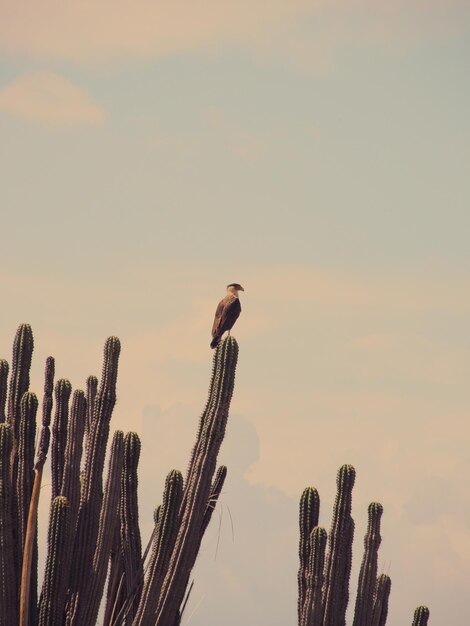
{"x":227,"y":313}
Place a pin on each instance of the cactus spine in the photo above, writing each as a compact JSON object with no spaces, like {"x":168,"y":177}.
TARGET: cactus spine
{"x":368,"y":572}
{"x":51,"y":606}
{"x":421,"y":616}
{"x":309,"y":510}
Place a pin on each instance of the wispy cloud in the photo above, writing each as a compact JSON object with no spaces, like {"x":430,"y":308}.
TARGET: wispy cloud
{"x":295,"y":31}
{"x":49,"y":99}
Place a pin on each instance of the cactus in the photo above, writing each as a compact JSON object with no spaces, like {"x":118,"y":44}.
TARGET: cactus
{"x":19,"y":381}
{"x":24,"y":485}
{"x":52,"y":602}
{"x":29,"y":570}
{"x":198,"y":483}
{"x":421,"y":616}
{"x":130,"y":562}
{"x":368,"y":572}
{"x":381,"y":596}
{"x":92,"y":489}
{"x":3,"y":388}
{"x":91,"y":390}
{"x":107,"y":526}
{"x":338,"y":565}
{"x":309,"y":510}
{"x":70,"y":485}
{"x":312,"y":609}
{"x":8,"y":588}
{"x":166,"y":527}
{"x":215,"y":492}
{"x":63,"y":389}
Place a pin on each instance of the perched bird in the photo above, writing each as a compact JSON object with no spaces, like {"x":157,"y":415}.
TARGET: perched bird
{"x":227,"y":313}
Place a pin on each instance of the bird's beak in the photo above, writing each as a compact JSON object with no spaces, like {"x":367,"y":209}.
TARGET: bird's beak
{"x":241,"y":288}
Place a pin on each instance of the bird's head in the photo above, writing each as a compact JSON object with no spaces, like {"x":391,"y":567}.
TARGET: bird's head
{"x":234,"y":288}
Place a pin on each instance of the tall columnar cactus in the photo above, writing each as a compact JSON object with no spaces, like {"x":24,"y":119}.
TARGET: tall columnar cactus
{"x":8,"y":586}
{"x":70,"y":485}
{"x":52,"y":602}
{"x":28,"y":589}
{"x":163,"y":541}
{"x":368,"y":572}
{"x":91,"y":390}
{"x":338,"y":564}
{"x":309,"y":510}
{"x":421,"y":616}
{"x":381,"y":596}
{"x":19,"y":381}
{"x":92,"y":485}
{"x":199,"y":481}
{"x":312,"y":610}
{"x":3,"y":388}
{"x":109,"y":520}
{"x":63,"y":390}
{"x":129,"y":564}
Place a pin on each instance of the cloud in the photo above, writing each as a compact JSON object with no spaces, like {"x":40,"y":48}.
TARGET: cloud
{"x":295,"y":31}
{"x":49,"y":99}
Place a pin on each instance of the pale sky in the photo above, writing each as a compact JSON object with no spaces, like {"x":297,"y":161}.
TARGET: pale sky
{"x":317,"y":153}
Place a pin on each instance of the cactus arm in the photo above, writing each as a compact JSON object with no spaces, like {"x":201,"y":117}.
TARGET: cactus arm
{"x":216,"y":490}
{"x":30,"y":545}
{"x":107,"y":526}
{"x":381,"y":597}
{"x":52,"y":602}
{"x":202,"y":467}
{"x":338,"y":565}
{"x":163,"y":541}
{"x":4,"y":367}
{"x":312,"y":612}
{"x":63,"y":389}
{"x":309,"y":510}
{"x":92,"y":485}
{"x":421,"y":616}
{"x":8,"y":588}
{"x":368,"y":572}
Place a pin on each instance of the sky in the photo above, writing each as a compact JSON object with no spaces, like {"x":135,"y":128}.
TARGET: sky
{"x":318,"y":153}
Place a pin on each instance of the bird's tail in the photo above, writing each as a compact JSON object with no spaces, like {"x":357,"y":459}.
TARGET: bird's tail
{"x":215,"y":342}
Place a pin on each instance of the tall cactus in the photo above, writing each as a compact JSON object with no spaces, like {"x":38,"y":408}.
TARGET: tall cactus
{"x":63,"y":390}
{"x":309,"y":510}
{"x":52,"y":602}
{"x":421,"y":616}
{"x":92,"y":486}
{"x":381,"y":596}
{"x":198,"y":483}
{"x":338,"y":565}
{"x":28,"y":589}
{"x":129,"y":563}
{"x":70,"y":485}
{"x":4,"y":367}
{"x":8,"y":588}
{"x":368,"y":572}
{"x":312,"y":610}
{"x":166,"y":527}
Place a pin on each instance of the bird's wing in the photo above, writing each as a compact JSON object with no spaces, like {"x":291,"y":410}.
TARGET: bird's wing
{"x":226,"y":315}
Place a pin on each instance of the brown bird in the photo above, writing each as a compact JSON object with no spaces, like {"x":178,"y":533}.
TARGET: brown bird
{"x":227,"y":313}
